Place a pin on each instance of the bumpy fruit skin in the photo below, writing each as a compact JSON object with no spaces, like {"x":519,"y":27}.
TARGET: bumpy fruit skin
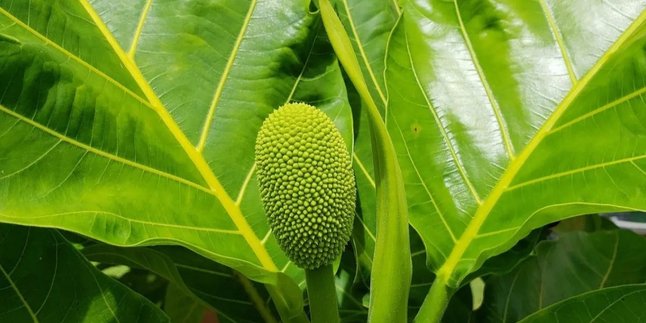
{"x":306,"y":184}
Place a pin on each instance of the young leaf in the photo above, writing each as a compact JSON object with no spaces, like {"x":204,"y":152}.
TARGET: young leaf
{"x":44,"y":278}
{"x":390,"y":281}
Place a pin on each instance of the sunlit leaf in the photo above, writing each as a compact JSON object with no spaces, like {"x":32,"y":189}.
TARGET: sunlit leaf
{"x":137,"y":126}
{"x":510,"y":115}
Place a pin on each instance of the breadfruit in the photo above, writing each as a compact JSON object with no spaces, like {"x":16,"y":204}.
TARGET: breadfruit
{"x":306,"y":184}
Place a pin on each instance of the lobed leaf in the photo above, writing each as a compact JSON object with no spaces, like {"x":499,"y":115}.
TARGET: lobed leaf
{"x":494,"y":145}
{"x":141,"y":131}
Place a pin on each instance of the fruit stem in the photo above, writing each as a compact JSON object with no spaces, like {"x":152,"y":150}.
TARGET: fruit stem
{"x":322,"y":295}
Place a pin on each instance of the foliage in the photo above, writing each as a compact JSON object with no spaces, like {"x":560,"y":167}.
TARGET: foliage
{"x":128,"y":184}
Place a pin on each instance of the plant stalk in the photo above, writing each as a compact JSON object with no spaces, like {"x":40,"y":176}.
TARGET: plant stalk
{"x":434,"y":304}
{"x":322,"y":295}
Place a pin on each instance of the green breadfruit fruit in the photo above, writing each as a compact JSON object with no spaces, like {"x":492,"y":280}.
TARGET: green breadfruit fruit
{"x":306,"y":184}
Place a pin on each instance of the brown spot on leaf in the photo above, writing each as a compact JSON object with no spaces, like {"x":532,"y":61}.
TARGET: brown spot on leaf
{"x":416,"y":128}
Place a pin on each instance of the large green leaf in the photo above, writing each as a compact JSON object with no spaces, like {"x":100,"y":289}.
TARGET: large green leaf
{"x":235,"y":298}
{"x":574,"y":264}
{"x":137,"y":126}
{"x":615,"y":304}
{"x":509,"y":115}
{"x":43,"y":278}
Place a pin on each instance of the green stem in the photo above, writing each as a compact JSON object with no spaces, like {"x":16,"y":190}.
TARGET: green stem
{"x":322,"y":295}
{"x":435,"y":303}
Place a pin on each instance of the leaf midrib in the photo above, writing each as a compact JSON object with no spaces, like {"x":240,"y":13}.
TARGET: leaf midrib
{"x":196,"y":157}
{"x":446,"y":271}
